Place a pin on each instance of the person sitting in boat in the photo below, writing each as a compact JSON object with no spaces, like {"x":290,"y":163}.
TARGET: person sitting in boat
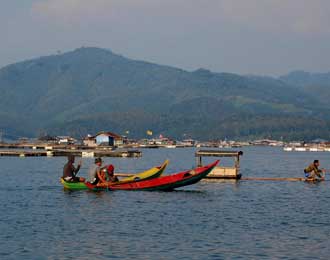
{"x":70,"y":171}
{"x":110,"y":172}
{"x":312,"y":172}
{"x":94,"y":172}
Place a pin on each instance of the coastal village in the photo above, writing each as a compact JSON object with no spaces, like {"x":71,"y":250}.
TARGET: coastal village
{"x":111,"y":144}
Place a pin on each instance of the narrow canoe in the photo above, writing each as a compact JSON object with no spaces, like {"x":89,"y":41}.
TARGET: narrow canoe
{"x":146,"y":175}
{"x":164,"y":183}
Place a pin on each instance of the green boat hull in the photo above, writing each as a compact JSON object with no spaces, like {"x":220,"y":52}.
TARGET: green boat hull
{"x":74,"y":185}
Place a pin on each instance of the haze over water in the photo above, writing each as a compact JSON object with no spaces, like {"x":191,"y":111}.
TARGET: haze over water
{"x":208,"y":220}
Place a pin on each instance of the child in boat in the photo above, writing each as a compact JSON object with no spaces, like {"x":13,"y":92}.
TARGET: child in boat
{"x":110,"y":172}
{"x":312,"y":172}
{"x":99,"y":174}
{"x":70,"y":171}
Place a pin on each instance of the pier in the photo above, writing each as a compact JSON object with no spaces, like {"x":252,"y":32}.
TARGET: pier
{"x":33,"y":150}
{"x":30,"y":153}
{"x":23,"y":153}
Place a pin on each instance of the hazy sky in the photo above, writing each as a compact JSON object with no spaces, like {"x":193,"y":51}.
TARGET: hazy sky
{"x":269,"y":37}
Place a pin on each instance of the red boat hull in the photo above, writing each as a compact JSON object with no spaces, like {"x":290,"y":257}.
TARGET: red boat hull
{"x":165,"y":183}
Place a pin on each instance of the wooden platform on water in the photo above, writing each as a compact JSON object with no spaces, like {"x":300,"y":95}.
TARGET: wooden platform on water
{"x":221,"y":172}
{"x":22,"y":153}
{"x":66,"y":152}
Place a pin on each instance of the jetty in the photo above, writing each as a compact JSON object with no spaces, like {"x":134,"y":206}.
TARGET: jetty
{"x":36,"y":150}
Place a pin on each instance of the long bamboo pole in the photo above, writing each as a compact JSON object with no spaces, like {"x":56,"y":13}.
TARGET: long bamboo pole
{"x":271,"y":179}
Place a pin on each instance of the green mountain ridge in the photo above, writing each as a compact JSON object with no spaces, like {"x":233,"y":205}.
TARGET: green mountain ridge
{"x":91,"y":89}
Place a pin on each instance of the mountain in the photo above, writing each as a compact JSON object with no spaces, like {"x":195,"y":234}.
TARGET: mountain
{"x":91,"y":89}
{"x":303,"y":78}
{"x":316,"y":85}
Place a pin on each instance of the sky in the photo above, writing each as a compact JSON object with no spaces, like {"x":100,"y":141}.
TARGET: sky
{"x":264,"y":37}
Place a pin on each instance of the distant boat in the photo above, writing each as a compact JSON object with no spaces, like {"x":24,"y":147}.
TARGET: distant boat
{"x":170,"y":146}
{"x":300,"y":149}
{"x":149,"y":146}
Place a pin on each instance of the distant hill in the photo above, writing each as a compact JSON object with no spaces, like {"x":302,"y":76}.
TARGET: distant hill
{"x":303,"y":78}
{"x":92,"y":89}
{"x":316,"y":85}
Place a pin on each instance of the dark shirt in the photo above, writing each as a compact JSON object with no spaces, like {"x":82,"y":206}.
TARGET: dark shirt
{"x":69,"y":170}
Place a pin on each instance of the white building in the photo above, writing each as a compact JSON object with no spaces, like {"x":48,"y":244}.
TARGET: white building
{"x":104,"y":138}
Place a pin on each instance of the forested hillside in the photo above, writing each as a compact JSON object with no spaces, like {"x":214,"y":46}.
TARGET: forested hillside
{"x":92,"y":89}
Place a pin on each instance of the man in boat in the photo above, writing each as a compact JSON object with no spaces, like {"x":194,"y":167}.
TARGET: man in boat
{"x":94,"y":172}
{"x":312,"y":172}
{"x":70,"y":171}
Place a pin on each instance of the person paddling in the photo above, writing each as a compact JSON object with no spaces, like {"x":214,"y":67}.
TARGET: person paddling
{"x":312,"y":172}
{"x":70,"y":171}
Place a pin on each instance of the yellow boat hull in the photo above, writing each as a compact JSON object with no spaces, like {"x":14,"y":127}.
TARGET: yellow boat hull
{"x":149,"y":174}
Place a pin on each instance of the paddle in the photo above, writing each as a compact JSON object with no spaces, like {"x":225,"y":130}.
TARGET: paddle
{"x":76,"y":170}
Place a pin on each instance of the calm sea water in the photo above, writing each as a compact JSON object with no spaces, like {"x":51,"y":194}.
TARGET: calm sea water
{"x":208,"y":220}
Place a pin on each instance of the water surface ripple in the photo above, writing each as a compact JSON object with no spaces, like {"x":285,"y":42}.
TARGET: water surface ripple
{"x":209,"y":220}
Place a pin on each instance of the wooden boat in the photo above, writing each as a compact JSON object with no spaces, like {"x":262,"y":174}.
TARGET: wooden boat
{"x":164,"y":183}
{"x":149,"y":174}
{"x":74,"y":185}
{"x":146,"y":175}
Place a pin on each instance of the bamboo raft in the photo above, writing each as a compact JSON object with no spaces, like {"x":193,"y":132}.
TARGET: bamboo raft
{"x":289,"y":179}
{"x":272,"y":179}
